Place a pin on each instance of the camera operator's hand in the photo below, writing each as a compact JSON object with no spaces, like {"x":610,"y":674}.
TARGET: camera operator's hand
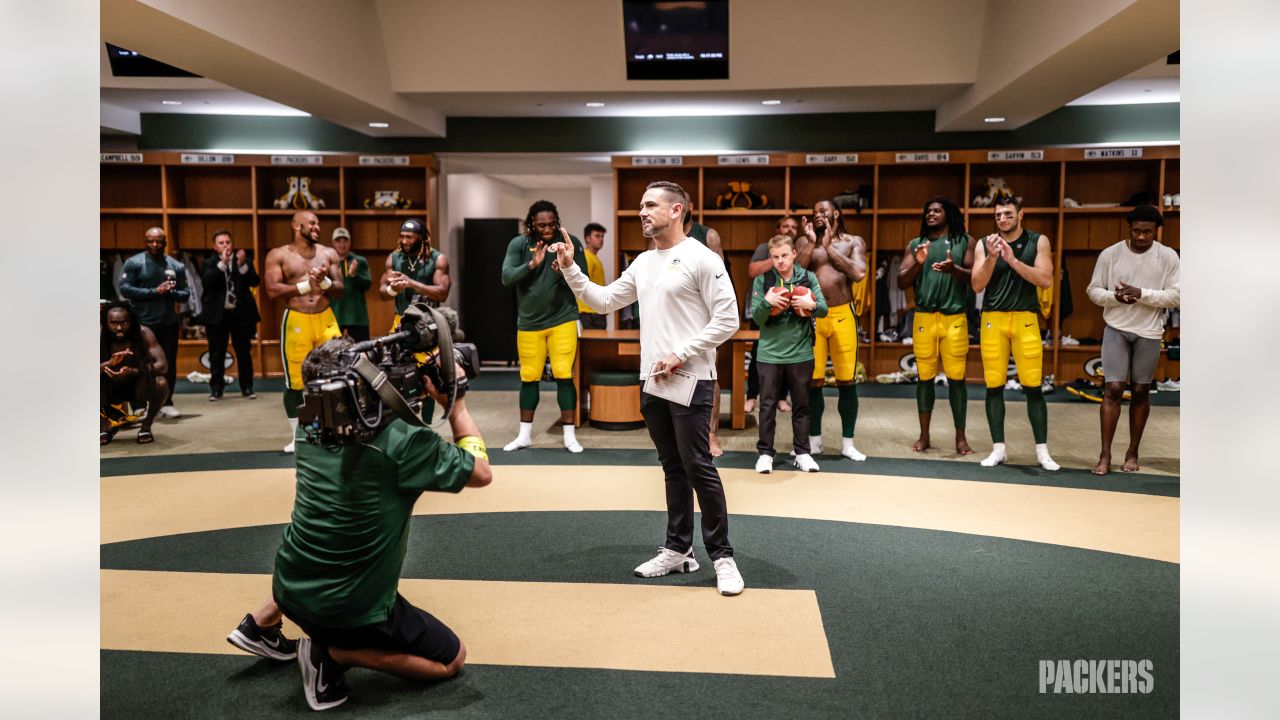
{"x":434,"y":393}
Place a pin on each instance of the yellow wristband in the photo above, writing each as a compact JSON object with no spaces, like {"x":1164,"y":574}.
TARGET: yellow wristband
{"x":474,"y":445}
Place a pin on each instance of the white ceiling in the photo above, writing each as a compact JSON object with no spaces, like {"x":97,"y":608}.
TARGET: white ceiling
{"x":195,"y":102}
{"x":1158,"y":82}
{"x":413,"y":63}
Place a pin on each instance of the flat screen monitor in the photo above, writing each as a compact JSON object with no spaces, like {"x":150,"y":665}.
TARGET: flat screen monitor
{"x":669,"y":40}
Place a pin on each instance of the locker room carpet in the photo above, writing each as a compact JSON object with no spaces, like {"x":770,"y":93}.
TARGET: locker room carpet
{"x":900,"y":587}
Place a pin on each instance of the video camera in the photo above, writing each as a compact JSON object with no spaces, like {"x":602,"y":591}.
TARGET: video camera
{"x":381,"y":379}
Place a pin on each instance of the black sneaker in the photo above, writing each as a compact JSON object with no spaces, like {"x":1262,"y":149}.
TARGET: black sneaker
{"x":322,"y":676}
{"x":266,"y":642}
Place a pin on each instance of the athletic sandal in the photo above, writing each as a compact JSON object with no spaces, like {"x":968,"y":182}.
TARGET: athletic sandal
{"x":145,"y":437}
{"x":106,"y":436}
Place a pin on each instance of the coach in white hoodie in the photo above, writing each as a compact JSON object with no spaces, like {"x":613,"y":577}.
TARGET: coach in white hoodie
{"x":688,"y":308}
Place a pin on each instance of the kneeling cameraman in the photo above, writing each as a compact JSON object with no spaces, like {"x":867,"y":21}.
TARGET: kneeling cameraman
{"x":338,"y":566}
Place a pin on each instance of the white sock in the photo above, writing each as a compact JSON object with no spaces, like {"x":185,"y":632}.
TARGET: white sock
{"x":996,"y":457}
{"x":1042,"y":457}
{"x":293,"y":431}
{"x":815,"y":444}
{"x":571,"y":440}
{"x":848,"y":450}
{"x":524,"y":439}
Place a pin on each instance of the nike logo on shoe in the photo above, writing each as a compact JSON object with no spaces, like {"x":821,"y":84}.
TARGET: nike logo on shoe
{"x":320,"y":686}
{"x":271,"y":643}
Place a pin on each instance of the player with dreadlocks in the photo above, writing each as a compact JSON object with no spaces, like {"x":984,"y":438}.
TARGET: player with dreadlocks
{"x":937,"y":264}
{"x":546,"y":319}
{"x":415,"y":268}
{"x":132,"y":368}
{"x":839,"y":260}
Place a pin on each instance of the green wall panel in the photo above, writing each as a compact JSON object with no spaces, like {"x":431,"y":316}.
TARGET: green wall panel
{"x":795,"y":133}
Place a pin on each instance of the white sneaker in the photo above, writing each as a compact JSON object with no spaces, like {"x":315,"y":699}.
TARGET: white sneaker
{"x":289,"y":448}
{"x":805,"y":462}
{"x":572,"y":446}
{"x":764,"y":464}
{"x":1013,"y":385}
{"x":728,"y":579}
{"x":848,"y":450}
{"x":170,"y":411}
{"x":518,"y":444}
{"x":668,"y":561}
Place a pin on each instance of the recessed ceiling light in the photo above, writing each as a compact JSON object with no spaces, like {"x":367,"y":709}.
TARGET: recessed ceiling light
{"x":170,"y":102}
{"x":595,"y":104}
{"x":770,"y":102}
{"x":379,"y":125}
{"x":993,"y":119}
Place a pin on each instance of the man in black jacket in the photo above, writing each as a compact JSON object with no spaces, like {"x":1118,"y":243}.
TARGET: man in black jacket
{"x":230,"y":310}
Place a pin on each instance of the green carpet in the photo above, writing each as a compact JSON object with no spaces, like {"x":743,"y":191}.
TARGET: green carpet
{"x":498,"y":380}
{"x":940,"y":469}
{"x":920,"y":624}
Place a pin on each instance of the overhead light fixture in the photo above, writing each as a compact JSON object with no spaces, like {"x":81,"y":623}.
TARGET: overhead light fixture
{"x":595,"y":104}
{"x":993,"y":119}
{"x":379,"y":125}
{"x":170,"y":102}
{"x":770,"y":102}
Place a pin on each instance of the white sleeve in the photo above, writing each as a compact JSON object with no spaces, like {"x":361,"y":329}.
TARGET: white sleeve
{"x":617,"y":294}
{"x":1170,"y":295}
{"x":716,"y":288}
{"x":1099,"y":291}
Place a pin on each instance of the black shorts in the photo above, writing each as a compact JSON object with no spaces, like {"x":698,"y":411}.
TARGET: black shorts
{"x":407,"y":629}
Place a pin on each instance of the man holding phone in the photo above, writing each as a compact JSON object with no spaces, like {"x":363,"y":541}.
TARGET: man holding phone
{"x":154,"y":283}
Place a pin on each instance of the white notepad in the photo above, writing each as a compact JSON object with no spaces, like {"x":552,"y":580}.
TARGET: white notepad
{"x":676,"y":386}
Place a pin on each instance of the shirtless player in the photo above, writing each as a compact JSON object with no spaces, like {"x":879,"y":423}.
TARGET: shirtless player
{"x":305,"y":273}
{"x":839,"y":260}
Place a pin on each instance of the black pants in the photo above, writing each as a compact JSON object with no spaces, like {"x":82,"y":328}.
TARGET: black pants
{"x":753,"y":376}
{"x":593,"y":321}
{"x":682,"y":438}
{"x":775,"y":380}
{"x":241,"y":341}
{"x":359,"y":333}
{"x":167,"y":336}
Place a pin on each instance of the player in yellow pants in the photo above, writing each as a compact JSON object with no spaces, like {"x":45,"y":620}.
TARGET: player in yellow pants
{"x":937,"y":267}
{"x":1007,"y":268}
{"x":546,"y":320}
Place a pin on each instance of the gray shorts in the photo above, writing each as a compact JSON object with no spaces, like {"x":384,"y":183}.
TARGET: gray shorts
{"x":1129,"y":357}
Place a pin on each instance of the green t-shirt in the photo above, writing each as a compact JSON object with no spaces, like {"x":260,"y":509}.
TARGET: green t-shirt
{"x":543,"y":298}
{"x":350,"y":308}
{"x":785,"y":338}
{"x":937,"y":291}
{"x":1007,"y":291}
{"x":339,"y":561}
{"x":421,"y":270}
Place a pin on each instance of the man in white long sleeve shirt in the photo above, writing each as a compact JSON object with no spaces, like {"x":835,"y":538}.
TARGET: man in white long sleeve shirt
{"x":689,"y":309}
{"x":1134,"y":281}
